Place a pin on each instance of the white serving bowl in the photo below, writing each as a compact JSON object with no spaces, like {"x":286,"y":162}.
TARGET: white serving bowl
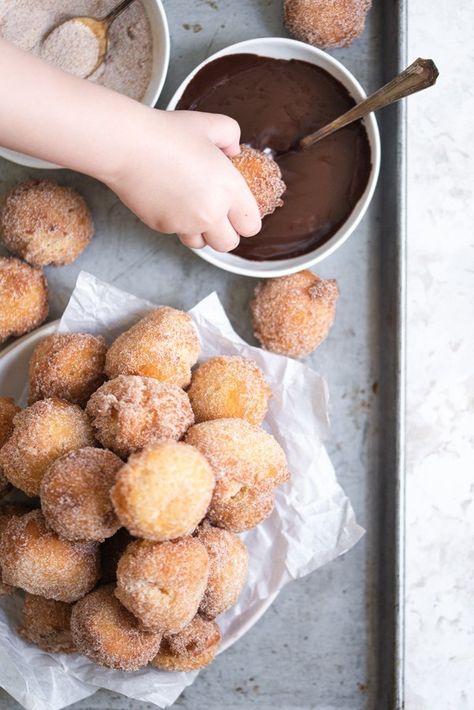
{"x":282,"y":48}
{"x":161,"y":56}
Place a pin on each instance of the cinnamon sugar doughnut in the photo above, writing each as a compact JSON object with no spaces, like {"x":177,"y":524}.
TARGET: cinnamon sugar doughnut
{"x":228,"y":567}
{"x":163,"y":492}
{"x":47,"y":623}
{"x":240,"y":451}
{"x":23,"y":298}
{"x":109,"y":635}
{"x":7,"y":512}
{"x":8,"y":409}
{"x":35,"y":559}
{"x":237,"y":507}
{"x":164,"y":344}
{"x":45,"y":223}
{"x":75,"y":494}
{"x":229,"y":387}
{"x":162,"y":583}
{"x":247,"y":462}
{"x":192,"y":648}
{"x":263,"y":176}
{"x":42,"y":433}
{"x":67,"y":365}
{"x":326,"y":23}
{"x":131,"y":412}
{"x":293,"y":314}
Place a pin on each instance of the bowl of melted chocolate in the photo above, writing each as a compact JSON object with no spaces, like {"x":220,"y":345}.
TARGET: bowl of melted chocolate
{"x":280,"y":90}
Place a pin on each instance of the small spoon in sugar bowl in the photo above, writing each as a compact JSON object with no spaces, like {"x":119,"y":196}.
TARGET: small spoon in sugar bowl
{"x":79,"y":44}
{"x":418,"y":76}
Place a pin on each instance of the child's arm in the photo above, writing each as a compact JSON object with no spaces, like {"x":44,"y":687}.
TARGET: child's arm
{"x":170,"y":168}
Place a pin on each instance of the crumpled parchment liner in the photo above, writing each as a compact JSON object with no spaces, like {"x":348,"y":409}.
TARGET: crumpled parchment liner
{"x":313,"y":521}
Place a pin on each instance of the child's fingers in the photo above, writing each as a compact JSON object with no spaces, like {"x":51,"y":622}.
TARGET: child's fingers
{"x":193,"y":241}
{"x":244,"y":214}
{"x":225,"y":134}
{"x":222,"y":236}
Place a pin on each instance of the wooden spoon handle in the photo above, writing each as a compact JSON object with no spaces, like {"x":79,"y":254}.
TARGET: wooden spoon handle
{"x":418,"y":76}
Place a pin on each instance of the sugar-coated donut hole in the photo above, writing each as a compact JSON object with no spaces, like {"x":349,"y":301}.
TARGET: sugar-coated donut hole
{"x":23,"y":298}
{"x":192,"y":648}
{"x":248,"y":464}
{"x":69,"y":366}
{"x":163,"y":492}
{"x":164,"y":344}
{"x":36,"y":559}
{"x":75,"y":494}
{"x":7,"y":512}
{"x":132,"y":411}
{"x":42,"y":433}
{"x":162,"y":583}
{"x":47,"y":624}
{"x":229,"y":386}
{"x":45,"y":223}
{"x":325,"y":23}
{"x":263,"y":176}
{"x":228,"y":567}
{"x":109,"y":635}
{"x":293,"y":314}
{"x":8,"y":410}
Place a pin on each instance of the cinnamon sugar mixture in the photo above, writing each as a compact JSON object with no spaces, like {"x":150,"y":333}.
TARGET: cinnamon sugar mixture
{"x":127,"y":67}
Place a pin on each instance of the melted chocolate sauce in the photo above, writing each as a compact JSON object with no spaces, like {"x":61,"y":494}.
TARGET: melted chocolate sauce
{"x":276,"y":103}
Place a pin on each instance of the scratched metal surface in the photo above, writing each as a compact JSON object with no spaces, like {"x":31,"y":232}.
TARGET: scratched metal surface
{"x":330,"y":641}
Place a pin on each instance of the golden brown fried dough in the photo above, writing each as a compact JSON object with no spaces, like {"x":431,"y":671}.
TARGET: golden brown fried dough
{"x":8,"y":409}
{"x":248,"y":464}
{"x":228,"y":567}
{"x":292,"y":315}
{"x":67,"y":365}
{"x":35,"y":559}
{"x":263,"y":176}
{"x":23,"y":298}
{"x":164,"y":344}
{"x":106,"y":633}
{"x":163,"y":492}
{"x":162,"y":583}
{"x":47,"y":623}
{"x":229,"y":387}
{"x":7,"y":512}
{"x":192,"y":648}
{"x":45,"y":223}
{"x":326,"y":23}
{"x":75,"y":494}
{"x":131,"y":412}
{"x":237,"y":508}
{"x":42,"y":433}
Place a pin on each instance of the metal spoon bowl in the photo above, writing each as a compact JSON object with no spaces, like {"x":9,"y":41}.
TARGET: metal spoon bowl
{"x":99,"y":27}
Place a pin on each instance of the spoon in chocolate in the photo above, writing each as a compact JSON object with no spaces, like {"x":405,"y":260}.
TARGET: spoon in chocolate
{"x":418,"y":76}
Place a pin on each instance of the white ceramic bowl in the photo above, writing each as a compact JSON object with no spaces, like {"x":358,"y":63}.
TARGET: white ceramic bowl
{"x":161,"y":56}
{"x":282,"y":48}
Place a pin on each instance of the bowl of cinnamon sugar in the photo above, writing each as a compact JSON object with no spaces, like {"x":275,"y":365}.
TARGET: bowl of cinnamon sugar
{"x":138,"y":53}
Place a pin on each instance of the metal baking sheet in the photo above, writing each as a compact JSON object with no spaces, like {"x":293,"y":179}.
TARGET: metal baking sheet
{"x":333,"y":641}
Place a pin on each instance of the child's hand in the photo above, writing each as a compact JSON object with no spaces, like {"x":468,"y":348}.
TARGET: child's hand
{"x":176,"y":176}
{"x":169,"y":167}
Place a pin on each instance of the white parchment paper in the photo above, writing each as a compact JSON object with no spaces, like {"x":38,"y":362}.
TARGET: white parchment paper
{"x":313,"y":521}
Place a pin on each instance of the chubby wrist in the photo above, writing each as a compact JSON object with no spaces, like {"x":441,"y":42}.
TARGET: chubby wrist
{"x":127,"y":142}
